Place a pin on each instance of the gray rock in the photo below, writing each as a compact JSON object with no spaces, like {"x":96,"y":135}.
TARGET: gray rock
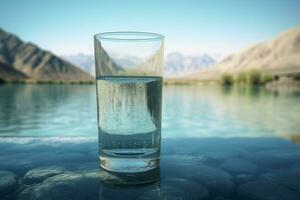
{"x":8,"y":182}
{"x":218,"y":181}
{"x":177,"y":188}
{"x":69,"y":185}
{"x":238,"y":166}
{"x":287,"y":177}
{"x":264,"y":190}
{"x":39,"y":174}
{"x":276,"y":158}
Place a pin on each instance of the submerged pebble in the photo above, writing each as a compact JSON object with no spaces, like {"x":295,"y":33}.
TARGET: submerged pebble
{"x":276,"y":158}
{"x":177,"y":188}
{"x":265,"y":190}
{"x":287,"y":177}
{"x":37,"y":175}
{"x":238,"y":166}
{"x":8,"y":182}
{"x":218,"y":181}
{"x":243,"y":178}
{"x":69,"y":185}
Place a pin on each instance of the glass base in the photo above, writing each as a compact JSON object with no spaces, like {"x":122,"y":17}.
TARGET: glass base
{"x":128,"y":165}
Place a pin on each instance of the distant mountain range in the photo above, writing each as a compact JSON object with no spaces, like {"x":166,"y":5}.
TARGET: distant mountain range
{"x":280,"y":55}
{"x":24,"y":60}
{"x":176,"y":64}
{"x":84,"y":61}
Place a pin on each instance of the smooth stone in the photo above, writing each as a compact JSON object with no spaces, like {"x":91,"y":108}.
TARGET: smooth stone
{"x":238,"y":166}
{"x":275,"y":158}
{"x":69,"y":185}
{"x":8,"y":182}
{"x":41,"y":173}
{"x":20,"y":163}
{"x":264,"y":190}
{"x":287,"y":177}
{"x":218,"y":181}
{"x":243,"y":178}
{"x":177,"y":188}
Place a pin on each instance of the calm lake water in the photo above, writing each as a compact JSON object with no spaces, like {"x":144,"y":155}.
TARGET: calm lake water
{"x":188,"y":111}
{"x":218,"y":144}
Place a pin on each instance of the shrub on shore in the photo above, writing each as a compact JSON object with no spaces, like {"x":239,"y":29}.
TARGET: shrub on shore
{"x":254,"y":77}
{"x":227,"y":79}
{"x":251,"y":77}
{"x":241,"y":78}
{"x":267,"y":78}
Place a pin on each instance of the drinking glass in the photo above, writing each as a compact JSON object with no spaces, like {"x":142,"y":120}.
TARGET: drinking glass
{"x":129,"y":70}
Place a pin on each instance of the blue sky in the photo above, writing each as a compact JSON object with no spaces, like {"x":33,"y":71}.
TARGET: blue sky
{"x":192,"y":27}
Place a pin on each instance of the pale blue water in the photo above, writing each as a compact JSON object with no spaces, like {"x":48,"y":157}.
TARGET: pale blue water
{"x":218,"y":144}
{"x":188,"y":111}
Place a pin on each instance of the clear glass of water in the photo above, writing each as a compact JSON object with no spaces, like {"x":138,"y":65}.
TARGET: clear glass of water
{"x":129,"y":69}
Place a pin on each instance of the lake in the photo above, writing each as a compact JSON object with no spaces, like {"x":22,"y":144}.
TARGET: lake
{"x":219,"y":143}
{"x":188,"y":111}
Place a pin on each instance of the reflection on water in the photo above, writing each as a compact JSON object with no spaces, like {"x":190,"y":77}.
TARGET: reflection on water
{"x":43,"y":110}
{"x":230,"y":112}
{"x":188,"y":111}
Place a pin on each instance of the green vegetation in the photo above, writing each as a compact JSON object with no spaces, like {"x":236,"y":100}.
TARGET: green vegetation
{"x":227,"y":79}
{"x":252,"y":77}
{"x":267,"y":78}
{"x":241,"y":78}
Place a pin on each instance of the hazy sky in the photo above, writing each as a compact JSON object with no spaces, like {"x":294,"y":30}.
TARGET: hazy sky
{"x":192,"y":27}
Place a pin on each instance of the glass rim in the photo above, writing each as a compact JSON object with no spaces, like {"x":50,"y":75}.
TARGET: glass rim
{"x":129,"y":36}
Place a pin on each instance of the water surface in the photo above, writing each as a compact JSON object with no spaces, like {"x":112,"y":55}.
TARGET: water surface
{"x":218,"y":144}
{"x":188,"y":111}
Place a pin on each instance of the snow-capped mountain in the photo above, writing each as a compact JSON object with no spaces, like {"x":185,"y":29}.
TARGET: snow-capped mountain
{"x":84,"y":61}
{"x":176,"y":63}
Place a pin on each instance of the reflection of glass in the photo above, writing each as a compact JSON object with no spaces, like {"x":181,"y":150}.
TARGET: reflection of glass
{"x":140,"y":178}
{"x":129,"y":92}
{"x":131,"y":185}
{"x":108,"y":192}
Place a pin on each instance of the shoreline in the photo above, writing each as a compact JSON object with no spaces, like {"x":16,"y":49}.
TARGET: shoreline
{"x":281,"y":83}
